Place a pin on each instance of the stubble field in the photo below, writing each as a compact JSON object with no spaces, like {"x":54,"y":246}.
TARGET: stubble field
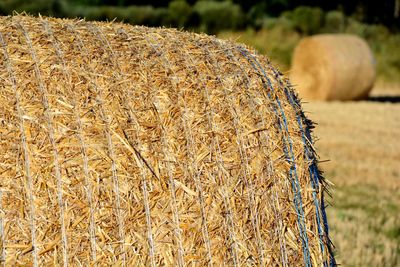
{"x":359,"y":144}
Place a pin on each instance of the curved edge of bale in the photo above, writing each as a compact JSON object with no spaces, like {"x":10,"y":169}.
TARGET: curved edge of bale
{"x":306,"y":127}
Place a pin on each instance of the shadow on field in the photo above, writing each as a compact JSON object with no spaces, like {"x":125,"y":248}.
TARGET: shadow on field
{"x":390,"y":99}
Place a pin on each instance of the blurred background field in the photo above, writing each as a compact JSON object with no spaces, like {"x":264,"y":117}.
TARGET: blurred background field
{"x":358,"y":142}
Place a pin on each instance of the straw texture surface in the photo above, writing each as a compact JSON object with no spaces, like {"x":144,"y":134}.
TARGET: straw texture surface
{"x":133,"y":146}
{"x":333,"y":67}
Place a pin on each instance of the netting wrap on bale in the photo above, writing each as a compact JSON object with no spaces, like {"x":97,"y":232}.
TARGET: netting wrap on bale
{"x":333,"y":67}
{"x":136,"y":146}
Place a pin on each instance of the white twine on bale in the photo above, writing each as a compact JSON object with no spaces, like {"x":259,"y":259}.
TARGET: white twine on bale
{"x":29,"y":178}
{"x":49,"y":119}
{"x":88,"y":186}
{"x":2,"y":237}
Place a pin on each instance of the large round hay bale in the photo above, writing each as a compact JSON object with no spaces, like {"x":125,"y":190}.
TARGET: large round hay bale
{"x":333,"y":67}
{"x":135,"y":146}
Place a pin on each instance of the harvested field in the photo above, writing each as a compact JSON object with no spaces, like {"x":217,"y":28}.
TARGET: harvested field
{"x":135,"y":146}
{"x":361,"y":140}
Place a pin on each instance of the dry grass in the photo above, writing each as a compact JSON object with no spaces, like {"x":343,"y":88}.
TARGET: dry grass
{"x":361,"y":140}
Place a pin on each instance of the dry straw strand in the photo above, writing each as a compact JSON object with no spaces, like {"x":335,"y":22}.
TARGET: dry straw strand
{"x":151,"y":146}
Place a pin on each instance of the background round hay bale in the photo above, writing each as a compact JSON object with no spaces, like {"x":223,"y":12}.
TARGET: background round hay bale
{"x":333,"y":67}
{"x":135,"y":146}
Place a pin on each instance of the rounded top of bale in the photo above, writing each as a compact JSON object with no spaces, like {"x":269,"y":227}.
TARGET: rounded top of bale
{"x":333,"y":67}
{"x":139,"y":146}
